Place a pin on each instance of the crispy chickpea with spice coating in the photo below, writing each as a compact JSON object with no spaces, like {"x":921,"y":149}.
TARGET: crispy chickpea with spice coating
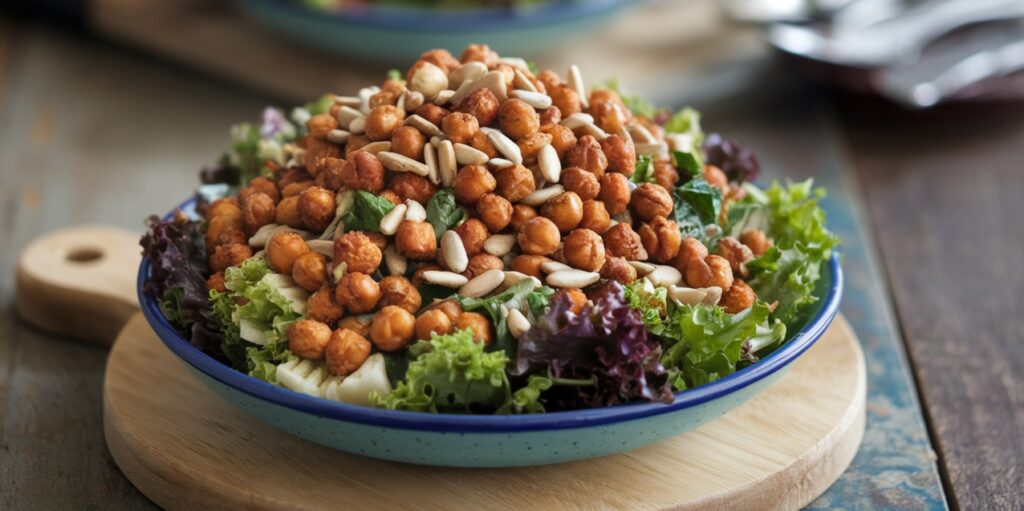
{"x":539,"y":236}
{"x":482,"y":104}
{"x":665,"y":174}
{"x":480,"y":143}
{"x":566,"y":99}
{"x":622,"y":241}
{"x":416,"y":240}
{"x":577,"y":300}
{"x":216,"y":282}
{"x":264,"y":185}
{"x":330,"y":175}
{"x":517,"y":119}
{"x":515,"y":182}
{"x":283,"y":249}
{"x":619,"y":270}
{"x":433,"y":322}
{"x":521,"y":213}
{"x":595,"y":217}
{"x":398,"y":291}
{"x":494,"y":211}
{"x":411,"y":186}
{"x":621,"y":154}
{"x":716,"y":177}
{"x":756,"y":240}
{"x":226,"y":256}
{"x":712,"y":271}
{"x":317,"y":149}
{"x":738,"y":297}
{"x":308,"y":338}
{"x":472,"y":183}
{"x":259,"y":211}
{"x":322,"y":306}
{"x":565,"y":210}
{"x":550,"y":116}
{"x":588,"y":155}
{"x":580,"y":182}
{"x":460,"y":127}
{"x":316,"y":207}
{"x":346,"y":352}
{"x":288,"y":213}
{"x":408,"y":141}
{"x":481,"y":263}
{"x":736,"y":253}
{"x":615,"y":193}
{"x":530,"y":146}
{"x":357,"y":324}
{"x":357,"y":252}
{"x":357,"y":292}
{"x":473,"y":234}
{"x":363,"y":171}
{"x":529,"y":264}
{"x":392,"y":329}
{"x":479,"y":53}
{"x":584,"y":249}
{"x":310,"y":271}
{"x":661,"y":239}
{"x":479,"y":324}
{"x":433,"y":113}
{"x":383,"y":121}
{"x":227,"y":207}
{"x":562,"y":139}
{"x":649,"y":201}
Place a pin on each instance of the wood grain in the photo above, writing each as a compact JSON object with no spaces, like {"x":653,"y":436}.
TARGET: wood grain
{"x":185,"y":447}
{"x":946,"y":206}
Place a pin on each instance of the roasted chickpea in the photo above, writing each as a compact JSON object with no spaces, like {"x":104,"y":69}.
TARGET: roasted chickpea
{"x":411,"y":186}
{"x":610,"y":116}
{"x":472,"y":183}
{"x":604,"y":96}
{"x":517,"y":119}
{"x":622,"y":241}
{"x":588,"y":155}
{"x":565,"y":210}
{"x":650,"y":200}
{"x":357,"y":292}
{"x":226,"y":256}
{"x":665,"y":174}
{"x":539,"y":236}
{"x":473,"y":234}
{"x":398,"y":291}
{"x":288,"y":176}
{"x":265,"y":185}
{"x":531,"y":145}
{"x":562,"y":139}
{"x":529,"y":265}
{"x":577,"y":300}
{"x":378,"y":239}
{"x":441,"y":58}
{"x":307,"y":338}
{"x":288,"y":213}
{"x":321,"y":124}
{"x":521,"y":213}
{"x":433,"y":322}
{"x":355,"y":143}
{"x":515,"y":182}
{"x":391,"y":196}
{"x":363,"y":171}
{"x":550,"y":116}
{"x":294,"y":189}
{"x":479,"y":324}
{"x":481,"y":263}
{"x":216,"y":282}
{"x":550,"y":79}
{"x":331,"y":174}
{"x":259,"y":211}
{"x":756,"y":240}
{"x":566,"y":99}
{"x":482,"y":104}
{"x":738,"y":297}
{"x":595,"y":217}
{"x":283,"y":249}
{"x":408,"y":141}
{"x":690,"y":251}
{"x":584,"y":249}
{"x":480,"y":143}
{"x":384,"y":97}
{"x":736,"y":253}
{"x":619,"y":270}
{"x":495,"y":211}
{"x":322,"y":306}
{"x":433,"y":113}
{"x":479,"y":53}
{"x":615,"y":192}
{"x":316,"y":150}
{"x":316,"y":207}
{"x":460,"y":127}
{"x":346,"y":352}
{"x":357,"y":252}
{"x":716,"y":177}
{"x":392,"y":329}
{"x":661,"y":239}
{"x":383,"y":121}
{"x":416,"y":240}
{"x":621,"y":154}
{"x":224,"y":231}
{"x":582,"y":183}
{"x":226,"y":208}
{"x":357,"y":324}
{"x":310,"y":271}
{"x":713,"y":270}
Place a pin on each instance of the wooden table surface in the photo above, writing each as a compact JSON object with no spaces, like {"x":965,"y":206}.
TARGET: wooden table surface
{"x":928,"y":206}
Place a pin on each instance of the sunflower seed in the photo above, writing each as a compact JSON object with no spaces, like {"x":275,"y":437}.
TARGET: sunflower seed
{"x":446,"y":164}
{"x":337,"y":136}
{"x":500,"y":163}
{"x":426,"y":127}
{"x":641,"y":134}
{"x":518,"y":325}
{"x":413,"y":100}
{"x":445,"y":278}
{"x":572,"y":278}
{"x":505,"y":146}
{"x":657,"y":149}
{"x":493,"y":80}
{"x":325,"y":247}
{"x":414,"y":211}
{"x":349,"y":101}
{"x":686,"y":295}
{"x":550,"y":165}
{"x":397,"y":265}
{"x":514,"y":277}
{"x":263,"y":234}
{"x":499,"y":244}
{"x":523,"y":82}
{"x":430,"y":158}
{"x":389,"y":223}
{"x":664,"y":276}
{"x":376,"y":147}
{"x":642,"y":268}
{"x":575,"y":81}
{"x":594,"y":131}
{"x":401,"y":101}
{"x":466,"y":73}
{"x":624,"y":134}
{"x":401,"y":163}
{"x":553,"y":266}
{"x":543,"y":195}
{"x":516,"y":62}
{"x":714,"y":295}
{"x":346,"y":114}
{"x":534,"y":99}
{"x":357,"y":126}
{"x":436,"y":141}
{"x":444,"y":97}
{"x":577,"y":120}
{"x":467,"y":155}
{"x":482,"y":284}
{"x":364,"y":98}
{"x":454,"y":252}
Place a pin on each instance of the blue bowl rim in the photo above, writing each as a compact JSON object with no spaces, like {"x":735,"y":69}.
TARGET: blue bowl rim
{"x":452,"y":423}
{"x":419,"y":19}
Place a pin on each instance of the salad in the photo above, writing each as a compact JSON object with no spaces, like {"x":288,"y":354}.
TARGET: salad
{"x":475,"y":236}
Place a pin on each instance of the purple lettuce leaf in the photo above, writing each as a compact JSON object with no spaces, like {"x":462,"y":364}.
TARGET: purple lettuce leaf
{"x":738,"y":162}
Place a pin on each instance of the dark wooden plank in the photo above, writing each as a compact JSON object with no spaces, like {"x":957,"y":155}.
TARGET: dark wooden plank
{"x":944,"y":192}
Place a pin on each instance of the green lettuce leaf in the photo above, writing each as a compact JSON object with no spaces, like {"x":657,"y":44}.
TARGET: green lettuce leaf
{"x":442,"y":211}
{"x":644,"y":171}
{"x":511,"y":298}
{"x":697,"y":206}
{"x":527,"y":399}
{"x":367,"y":211}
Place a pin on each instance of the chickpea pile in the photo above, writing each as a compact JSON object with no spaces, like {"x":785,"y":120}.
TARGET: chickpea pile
{"x":540,"y":167}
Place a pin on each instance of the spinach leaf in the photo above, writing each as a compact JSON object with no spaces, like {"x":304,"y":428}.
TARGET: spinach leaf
{"x":442,"y":211}
{"x":367,"y":212}
{"x":644,"y":171}
{"x":697,"y":206}
{"x":688,"y":161}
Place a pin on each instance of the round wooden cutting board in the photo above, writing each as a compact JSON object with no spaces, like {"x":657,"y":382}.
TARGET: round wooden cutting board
{"x":186,"y":448}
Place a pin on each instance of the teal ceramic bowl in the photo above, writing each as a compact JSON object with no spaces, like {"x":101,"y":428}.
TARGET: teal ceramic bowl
{"x":492,"y":440}
{"x":397,"y":35}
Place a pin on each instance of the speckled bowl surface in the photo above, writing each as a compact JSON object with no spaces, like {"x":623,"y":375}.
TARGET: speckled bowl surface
{"x":492,"y":440}
{"x":397,"y":35}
